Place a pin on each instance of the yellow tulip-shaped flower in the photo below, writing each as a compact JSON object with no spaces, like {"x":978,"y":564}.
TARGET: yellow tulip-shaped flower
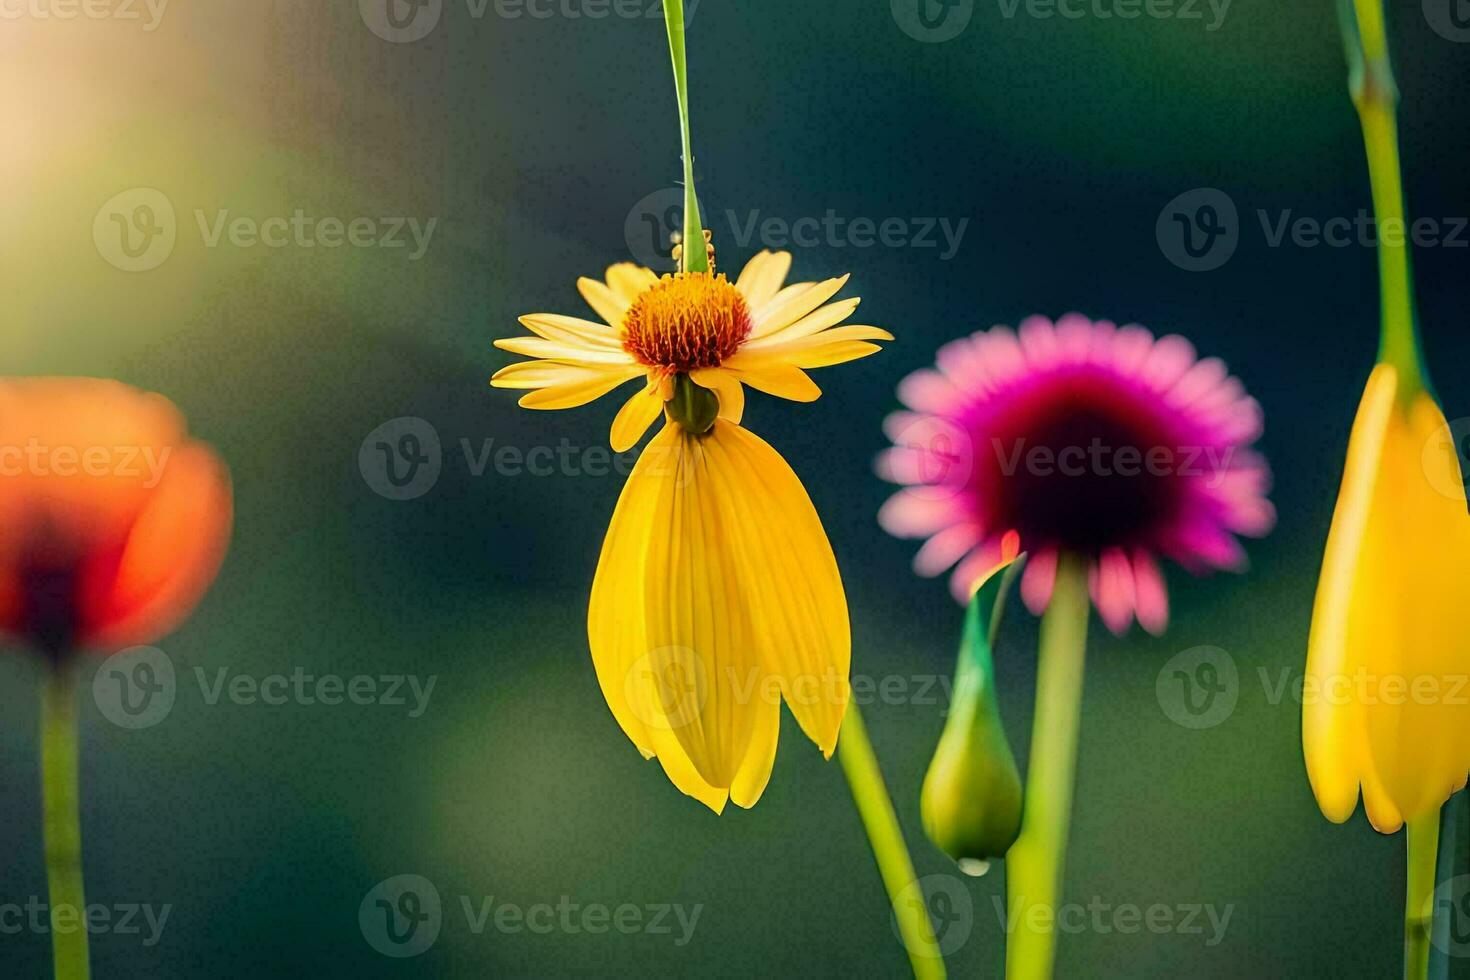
{"x":1385,"y":708}
{"x":717,"y":594}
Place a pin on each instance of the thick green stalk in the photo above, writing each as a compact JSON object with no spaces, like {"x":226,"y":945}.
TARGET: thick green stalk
{"x":886,"y":837}
{"x":1034,"y":866}
{"x":1376,"y":96}
{"x":61,"y":823}
{"x":1423,"y":847}
{"x":694,"y":258}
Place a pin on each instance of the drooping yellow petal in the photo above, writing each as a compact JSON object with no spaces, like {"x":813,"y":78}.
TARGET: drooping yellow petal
{"x":636,"y":415}
{"x":1385,"y":701}
{"x":762,"y":277}
{"x":796,"y":599}
{"x":727,"y":389}
{"x":760,"y":758}
{"x":717,"y":594}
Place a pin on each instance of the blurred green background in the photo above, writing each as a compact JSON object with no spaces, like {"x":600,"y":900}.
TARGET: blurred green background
{"x":536,"y":143}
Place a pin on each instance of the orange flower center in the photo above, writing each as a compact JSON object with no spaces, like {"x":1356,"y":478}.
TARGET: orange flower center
{"x":686,"y":321}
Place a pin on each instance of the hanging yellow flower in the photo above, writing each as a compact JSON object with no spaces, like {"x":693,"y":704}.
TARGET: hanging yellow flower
{"x":717,"y":594}
{"x":1384,"y":710}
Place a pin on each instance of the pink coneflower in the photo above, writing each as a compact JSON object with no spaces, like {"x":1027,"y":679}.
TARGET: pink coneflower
{"x":1080,"y":437}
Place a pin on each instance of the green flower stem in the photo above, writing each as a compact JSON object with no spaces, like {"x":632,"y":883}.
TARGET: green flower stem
{"x":61,"y":823}
{"x":886,"y":837}
{"x":1376,"y":96}
{"x":694,"y":258}
{"x":1423,"y":841}
{"x":1034,"y":865}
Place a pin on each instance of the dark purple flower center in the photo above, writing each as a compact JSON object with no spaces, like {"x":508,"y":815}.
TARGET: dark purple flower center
{"x":1080,"y":464}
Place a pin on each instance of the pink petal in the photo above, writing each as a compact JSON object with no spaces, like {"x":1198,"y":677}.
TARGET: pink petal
{"x":946,"y":548}
{"x":916,"y":514}
{"x":1111,"y":581}
{"x":1037,"y":581}
{"x":1150,"y":594}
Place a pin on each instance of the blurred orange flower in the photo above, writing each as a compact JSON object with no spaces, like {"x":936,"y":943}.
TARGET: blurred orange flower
{"x":113,"y":521}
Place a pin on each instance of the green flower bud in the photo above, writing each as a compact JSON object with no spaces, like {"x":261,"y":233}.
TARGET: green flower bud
{"x":971,"y":800}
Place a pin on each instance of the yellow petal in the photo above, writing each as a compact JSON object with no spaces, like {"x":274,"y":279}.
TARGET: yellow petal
{"x":1395,"y":571}
{"x":572,"y":330}
{"x":628,"y":280}
{"x":727,"y":389}
{"x":556,"y":350}
{"x":826,"y":355}
{"x":816,"y":322}
{"x":636,"y":415}
{"x":543,"y":374}
{"x":773,"y":316}
{"x":760,"y":758}
{"x":762,"y":277}
{"x":604,"y":302}
{"x":792,"y":587}
{"x":575,"y":393}
{"x":774,"y":377}
{"x":697,"y":614}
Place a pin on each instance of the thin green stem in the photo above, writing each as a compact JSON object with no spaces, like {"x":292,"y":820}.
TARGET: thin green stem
{"x":886,"y":837}
{"x":1034,"y":866}
{"x":1423,"y":842}
{"x":61,"y":823}
{"x":1376,"y":96}
{"x":694,"y":258}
